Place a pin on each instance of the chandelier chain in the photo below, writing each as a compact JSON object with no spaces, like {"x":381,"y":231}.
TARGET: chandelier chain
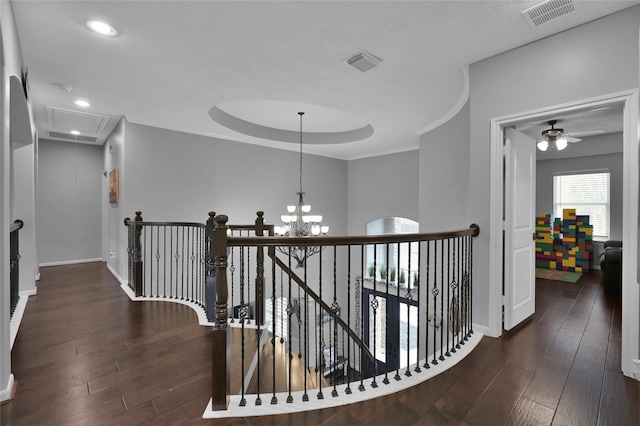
{"x":301,"y":114}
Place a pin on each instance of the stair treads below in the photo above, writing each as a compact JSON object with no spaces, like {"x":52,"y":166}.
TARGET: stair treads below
{"x":281,"y":378}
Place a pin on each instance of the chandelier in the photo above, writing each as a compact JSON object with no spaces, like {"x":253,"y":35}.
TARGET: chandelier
{"x":299,"y":223}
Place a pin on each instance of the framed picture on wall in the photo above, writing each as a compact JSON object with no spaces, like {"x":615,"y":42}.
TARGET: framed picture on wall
{"x":113,"y":187}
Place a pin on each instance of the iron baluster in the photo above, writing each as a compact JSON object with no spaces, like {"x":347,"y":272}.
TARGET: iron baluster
{"x":289,"y":313}
{"x":348,"y":388}
{"x":397,"y":277}
{"x":471,"y":284}
{"x":305,"y":396}
{"x":442,"y":281}
{"x":248,"y":278}
{"x":435,"y":293}
{"x":336,"y":308}
{"x":360,"y":313}
{"x":409,"y":299}
{"x":387,"y":346}
{"x":374,"y":305}
{"x":417,"y":290}
{"x":274,"y":399}
{"x":448,"y":290}
{"x":321,"y":362}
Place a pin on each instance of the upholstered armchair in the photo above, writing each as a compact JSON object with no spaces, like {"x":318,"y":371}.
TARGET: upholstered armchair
{"x":611,"y":265}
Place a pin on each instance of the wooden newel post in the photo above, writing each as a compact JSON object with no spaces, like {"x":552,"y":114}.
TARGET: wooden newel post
{"x":259,"y":287}
{"x":217,"y":295}
{"x":137,"y":255}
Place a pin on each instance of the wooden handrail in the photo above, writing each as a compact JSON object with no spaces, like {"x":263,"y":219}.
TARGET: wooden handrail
{"x":130,"y":222}
{"x":473,"y":230}
{"x":17,"y":224}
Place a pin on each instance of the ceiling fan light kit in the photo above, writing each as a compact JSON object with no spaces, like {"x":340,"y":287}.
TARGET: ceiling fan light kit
{"x":554,"y":139}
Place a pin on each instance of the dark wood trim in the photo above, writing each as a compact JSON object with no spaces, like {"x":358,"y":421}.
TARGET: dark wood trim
{"x":17,"y":224}
{"x":275,"y":241}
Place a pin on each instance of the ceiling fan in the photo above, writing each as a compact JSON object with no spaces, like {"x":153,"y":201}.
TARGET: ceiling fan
{"x":555,"y":139}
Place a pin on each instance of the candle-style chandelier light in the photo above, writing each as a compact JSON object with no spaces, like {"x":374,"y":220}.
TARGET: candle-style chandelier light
{"x":298,"y":222}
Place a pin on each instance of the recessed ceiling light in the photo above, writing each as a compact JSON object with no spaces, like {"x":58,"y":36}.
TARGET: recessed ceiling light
{"x":82,"y":103}
{"x":74,"y":132}
{"x":102,"y":28}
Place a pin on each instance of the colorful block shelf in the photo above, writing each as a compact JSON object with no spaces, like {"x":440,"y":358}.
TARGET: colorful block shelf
{"x":565,"y":244}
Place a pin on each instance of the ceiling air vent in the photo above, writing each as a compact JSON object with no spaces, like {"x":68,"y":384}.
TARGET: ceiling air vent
{"x":363,"y":61}
{"x":72,"y":138}
{"x":548,"y":11}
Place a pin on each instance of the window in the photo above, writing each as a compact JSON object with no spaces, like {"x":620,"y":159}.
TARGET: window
{"x":588,"y":193}
{"x":407,"y":254}
{"x":402,"y":315}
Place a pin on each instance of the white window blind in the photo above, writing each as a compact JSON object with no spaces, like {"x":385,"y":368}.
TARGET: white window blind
{"x":588,"y":193}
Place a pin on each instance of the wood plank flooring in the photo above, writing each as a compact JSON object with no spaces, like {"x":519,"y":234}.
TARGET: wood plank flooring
{"x":86,"y":355}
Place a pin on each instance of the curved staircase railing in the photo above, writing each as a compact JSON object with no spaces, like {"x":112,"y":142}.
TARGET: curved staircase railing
{"x":363,"y":312}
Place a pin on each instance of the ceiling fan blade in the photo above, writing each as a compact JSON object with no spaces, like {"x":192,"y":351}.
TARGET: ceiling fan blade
{"x":571,"y":139}
{"x":586,"y":133}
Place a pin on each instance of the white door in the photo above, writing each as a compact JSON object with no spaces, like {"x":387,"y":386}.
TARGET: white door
{"x":519,"y":258}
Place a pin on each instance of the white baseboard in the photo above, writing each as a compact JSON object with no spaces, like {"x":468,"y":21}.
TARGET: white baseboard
{"x":70,"y":262}
{"x":32,"y":292}
{"x":7,"y":392}
{"x":235,"y":410}
{"x":116,"y":276}
{"x":482,"y":329}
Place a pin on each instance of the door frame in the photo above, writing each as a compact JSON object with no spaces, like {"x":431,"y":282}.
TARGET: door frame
{"x":392,"y":304}
{"x":631,"y":195}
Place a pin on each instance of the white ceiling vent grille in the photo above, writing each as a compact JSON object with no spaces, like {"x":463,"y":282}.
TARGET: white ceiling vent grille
{"x":363,"y":61}
{"x":63,"y":120}
{"x":548,"y":11}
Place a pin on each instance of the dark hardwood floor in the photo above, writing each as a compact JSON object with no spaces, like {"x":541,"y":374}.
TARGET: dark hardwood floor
{"x":85,"y":354}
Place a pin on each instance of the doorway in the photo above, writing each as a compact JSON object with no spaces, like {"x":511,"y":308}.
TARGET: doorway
{"x":630,"y":291}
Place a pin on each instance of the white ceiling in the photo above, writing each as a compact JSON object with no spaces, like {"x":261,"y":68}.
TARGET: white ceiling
{"x":241,"y":70}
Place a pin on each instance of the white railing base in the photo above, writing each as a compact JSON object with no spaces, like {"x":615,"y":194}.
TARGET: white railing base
{"x":282,"y":407}
{"x":16,"y":319}
{"x":199,"y":310}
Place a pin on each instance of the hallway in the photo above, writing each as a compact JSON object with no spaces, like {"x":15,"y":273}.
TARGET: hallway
{"x":85,"y":354}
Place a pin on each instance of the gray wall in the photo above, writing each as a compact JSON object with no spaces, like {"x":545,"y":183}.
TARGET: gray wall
{"x":179,"y":176}
{"x":11,"y":65}
{"x":69,"y":211}
{"x":514,"y":82}
{"x":383,"y":186}
{"x":174,"y":176}
{"x":115,"y":232}
{"x":582,"y":160}
{"x":444,"y":175}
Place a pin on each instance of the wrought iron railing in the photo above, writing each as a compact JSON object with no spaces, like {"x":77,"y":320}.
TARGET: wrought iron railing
{"x":166,"y":259}
{"x":361,"y":312}
{"x":14,"y":264}
{"x":371,"y":328}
